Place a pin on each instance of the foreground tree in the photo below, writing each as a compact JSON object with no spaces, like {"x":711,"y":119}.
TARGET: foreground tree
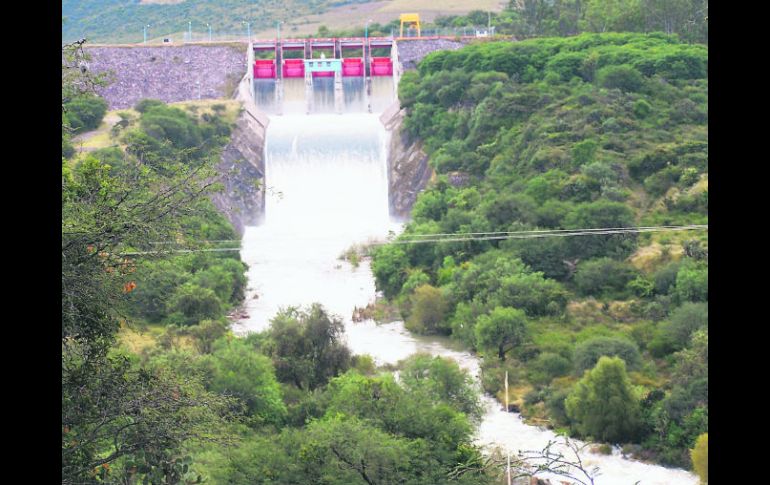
{"x":120,"y":421}
{"x":603,"y":404}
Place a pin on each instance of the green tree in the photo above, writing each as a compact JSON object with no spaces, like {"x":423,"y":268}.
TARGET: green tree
{"x":389,"y":265}
{"x":444,"y":380}
{"x":700,"y":458}
{"x":240,"y":371}
{"x":613,"y":15}
{"x":692,"y":282}
{"x":603,"y":405}
{"x":502,"y":329}
{"x":117,"y":414}
{"x":428,"y":311}
{"x":341,"y":450}
{"x":306,"y":347}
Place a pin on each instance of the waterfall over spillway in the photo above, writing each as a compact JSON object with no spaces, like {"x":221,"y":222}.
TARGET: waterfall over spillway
{"x":326,"y":184}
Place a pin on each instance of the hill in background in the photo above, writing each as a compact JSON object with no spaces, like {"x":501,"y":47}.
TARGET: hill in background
{"x":122,"y":21}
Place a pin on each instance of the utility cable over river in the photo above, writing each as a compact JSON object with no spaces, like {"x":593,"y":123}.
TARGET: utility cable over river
{"x":453,"y":237}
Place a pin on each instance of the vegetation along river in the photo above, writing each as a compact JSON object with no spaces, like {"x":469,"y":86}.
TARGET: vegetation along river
{"x":326,"y":178}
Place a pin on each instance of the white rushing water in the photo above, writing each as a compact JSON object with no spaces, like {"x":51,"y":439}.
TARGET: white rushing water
{"x":327,"y":190}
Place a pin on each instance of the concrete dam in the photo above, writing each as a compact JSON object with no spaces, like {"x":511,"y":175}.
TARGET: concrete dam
{"x":269,"y":78}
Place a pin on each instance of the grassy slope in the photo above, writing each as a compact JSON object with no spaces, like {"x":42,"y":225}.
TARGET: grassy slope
{"x":103,"y":137}
{"x":104,"y":21}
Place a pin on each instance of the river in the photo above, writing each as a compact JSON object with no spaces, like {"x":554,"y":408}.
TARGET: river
{"x":327,"y":189}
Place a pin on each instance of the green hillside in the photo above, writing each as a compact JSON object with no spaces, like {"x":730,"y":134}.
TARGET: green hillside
{"x":590,"y":131}
{"x":122,"y":21}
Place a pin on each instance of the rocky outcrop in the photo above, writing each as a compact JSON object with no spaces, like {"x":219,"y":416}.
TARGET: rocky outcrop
{"x":408,"y":169}
{"x":242,"y":166}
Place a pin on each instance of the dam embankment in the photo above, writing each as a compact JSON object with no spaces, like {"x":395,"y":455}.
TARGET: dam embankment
{"x":168,"y":73}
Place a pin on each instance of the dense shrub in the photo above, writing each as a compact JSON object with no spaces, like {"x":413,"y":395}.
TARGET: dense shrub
{"x":85,"y":113}
{"x":144,"y":105}
{"x":692,"y":282}
{"x":191,"y":304}
{"x":248,"y":375}
{"x":623,"y":77}
{"x":428,"y":311}
{"x":546,"y":366}
{"x":685,"y":320}
{"x":389,"y":265}
{"x":665,"y":277}
{"x":603,"y":276}
{"x":588,"y":353}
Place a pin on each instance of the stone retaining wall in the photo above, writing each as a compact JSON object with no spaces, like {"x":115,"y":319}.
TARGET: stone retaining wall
{"x":410,"y":52}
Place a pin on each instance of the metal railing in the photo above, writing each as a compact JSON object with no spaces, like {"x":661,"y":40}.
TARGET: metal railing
{"x":197,"y":37}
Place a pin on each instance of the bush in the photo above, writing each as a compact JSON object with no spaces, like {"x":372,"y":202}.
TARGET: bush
{"x":428,"y":313}
{"x":603,"y":276}
{"x":685,"y":320}
{"x":662,"y":344}
{"x":623,"y":77}
{"x":389,"y":267}
{"x":641,"y":286}
{"x":207,"y":332}
{"x":692,"y":282}
{"x":85,"y":113}
{"x":601,"y":213}
{"x":588,"y":353}
{"x":192,"y":304}
{"x":240,"y":371}
{"x":546,"y":366}
{"x":642,"y":108}
{"x":584,"y":152}
{"x":665,"y":277}
{"x":145,"y":105}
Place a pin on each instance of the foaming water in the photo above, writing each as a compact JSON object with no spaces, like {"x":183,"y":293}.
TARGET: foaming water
{"x":326,"y":178}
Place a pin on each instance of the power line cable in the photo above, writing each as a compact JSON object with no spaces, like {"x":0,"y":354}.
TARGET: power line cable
{"x":459,"y":237}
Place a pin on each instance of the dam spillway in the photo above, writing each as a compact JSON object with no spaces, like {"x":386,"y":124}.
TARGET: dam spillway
{"x":326,"y":189}
{"x":336,"y":75}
